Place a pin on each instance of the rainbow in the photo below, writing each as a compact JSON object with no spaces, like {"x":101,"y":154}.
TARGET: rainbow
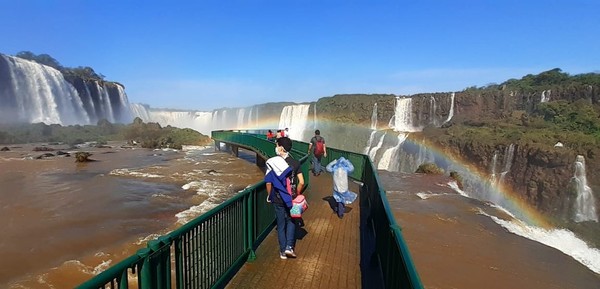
{"x":511,"y":200}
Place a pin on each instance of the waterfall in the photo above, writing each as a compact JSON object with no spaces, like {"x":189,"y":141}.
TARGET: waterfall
{"x":509,"y":155}
{"x":315,"y":116}
{"x":493,"y":177}
{"x":432,"y":110}
{"x":389,"y":159}
{"x":373,"y":128}
{"x":585,"y":204}
{"x":374,"y":117}
{"x":451,"y":113}
{"x":33,"y":92}
{"x":294,"y":117}
{"x":373,"y":152}
{"x":240,"y":124}
{"x":39,"y":93}
{"x":545,"y":98}
{"x":403,"y":116}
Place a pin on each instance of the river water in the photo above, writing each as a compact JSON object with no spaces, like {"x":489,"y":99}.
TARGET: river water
{"x":65,"y":222}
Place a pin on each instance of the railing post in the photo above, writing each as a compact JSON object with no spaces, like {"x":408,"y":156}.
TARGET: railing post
{"x":145,"y":272}
{"x":249,"y":200}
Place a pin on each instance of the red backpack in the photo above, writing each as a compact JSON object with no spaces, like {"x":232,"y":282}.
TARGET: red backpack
{"x":319,"y":147}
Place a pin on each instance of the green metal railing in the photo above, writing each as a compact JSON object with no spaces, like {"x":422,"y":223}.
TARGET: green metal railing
{"x":210,"y":249}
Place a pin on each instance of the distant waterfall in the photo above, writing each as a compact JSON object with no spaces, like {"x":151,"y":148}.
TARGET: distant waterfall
{"x":545,"y":98}
{"x":315,"y":117}
{"x":374,"y":117}
{"x":497,"y":176}
{"x":403,"y":118}
{"x":451,"y":113}
{"x":585,"y":204}
{"x":294,"y":117}
{"x":373,"y":128}
{"x":432,"y":110}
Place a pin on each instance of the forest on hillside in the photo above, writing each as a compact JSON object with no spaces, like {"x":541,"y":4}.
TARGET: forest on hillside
{"x":148,"y":135}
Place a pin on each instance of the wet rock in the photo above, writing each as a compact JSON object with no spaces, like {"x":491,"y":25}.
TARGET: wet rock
{"x":4,"y":149}
{"x":82,"y":157}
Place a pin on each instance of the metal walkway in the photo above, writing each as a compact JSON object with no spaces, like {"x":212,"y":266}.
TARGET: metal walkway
{"x":328,"y":248}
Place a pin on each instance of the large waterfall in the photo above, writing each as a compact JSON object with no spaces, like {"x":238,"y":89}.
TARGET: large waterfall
{"x":295,"y":118}
{"x":403,"y":116}
{"x":32,"y":93}
{"x":585,"y":204}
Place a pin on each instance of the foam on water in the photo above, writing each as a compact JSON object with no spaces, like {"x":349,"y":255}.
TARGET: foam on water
{"x":128,"y":172}
{"x":561,"y":239}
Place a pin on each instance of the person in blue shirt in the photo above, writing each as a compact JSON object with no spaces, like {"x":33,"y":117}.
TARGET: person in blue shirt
{"x":282,"y":172}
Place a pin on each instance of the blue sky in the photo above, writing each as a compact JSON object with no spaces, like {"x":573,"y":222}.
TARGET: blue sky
{"x":204,"y":55}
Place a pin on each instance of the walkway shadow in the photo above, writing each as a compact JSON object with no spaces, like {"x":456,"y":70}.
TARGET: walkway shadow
{"x":333,"y":205}
{"x":300,"y":231}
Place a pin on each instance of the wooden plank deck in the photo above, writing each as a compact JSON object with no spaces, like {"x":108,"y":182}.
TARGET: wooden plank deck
{"x":328,"y":248}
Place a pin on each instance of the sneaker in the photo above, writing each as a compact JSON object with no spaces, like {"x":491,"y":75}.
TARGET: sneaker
{"x":282,"y":256}
{"x":290,"y":253}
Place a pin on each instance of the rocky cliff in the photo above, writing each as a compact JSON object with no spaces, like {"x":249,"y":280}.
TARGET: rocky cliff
{"x":483,"y":125}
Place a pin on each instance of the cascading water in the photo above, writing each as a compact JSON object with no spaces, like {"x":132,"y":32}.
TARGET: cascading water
{"x":509,"y":156}
{"x":373,"y":152}
{"x":315,"y":117}
{"x":585,"y":204}
{"x":373,"y":128}
{"x":403,"y":118}
{"x":388,"y":160}
{"x":432,"y":110}
{"x":545,"y":98}
{"x":33,"y":92}
{"x":295,"y":118}
{"x":39,"y":93}
{"x":451,"y":113}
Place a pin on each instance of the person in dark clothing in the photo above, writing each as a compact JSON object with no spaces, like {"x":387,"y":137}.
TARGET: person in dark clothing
{"x":282,"y":172}
{"x":318,"y":149}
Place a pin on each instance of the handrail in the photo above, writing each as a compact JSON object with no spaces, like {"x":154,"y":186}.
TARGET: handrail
{"x":210,"y":249}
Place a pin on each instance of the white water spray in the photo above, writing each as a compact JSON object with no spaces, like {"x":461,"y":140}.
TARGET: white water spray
{"x":585,"y":204}
{"x":545,"y":98}
{"x":389,"y":159}
{"x":403,"y":118}
{"x":294,"y":117}
{"x":451,"y":113}
{"x":373,"y":128}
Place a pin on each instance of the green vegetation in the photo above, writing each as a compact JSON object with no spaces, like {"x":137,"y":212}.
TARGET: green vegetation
{"x":458,"y":178}
{"x":546,"y":80}
{"x":148,"y":135}
{"x":83,"y":72}
{"x":429,"y":168}
{"x":573,"y":120}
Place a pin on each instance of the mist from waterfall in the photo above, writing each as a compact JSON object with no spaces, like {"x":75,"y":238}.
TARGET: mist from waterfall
{"x":295,"y":118}
{"x":585,"y":204}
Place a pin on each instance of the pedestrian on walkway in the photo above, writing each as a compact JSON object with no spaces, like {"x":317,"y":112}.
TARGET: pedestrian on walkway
{"x":318,"y":149}
{"x":283,"y":180}
{"x":340,"y":169}
{"x":270,"y":135}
